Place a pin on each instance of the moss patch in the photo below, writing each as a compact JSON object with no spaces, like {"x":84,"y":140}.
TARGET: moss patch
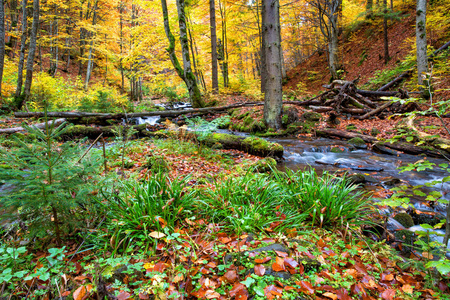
{"x":404,"y":219}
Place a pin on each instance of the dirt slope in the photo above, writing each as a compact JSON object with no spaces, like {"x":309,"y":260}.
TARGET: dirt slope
{"x":362,"y":52}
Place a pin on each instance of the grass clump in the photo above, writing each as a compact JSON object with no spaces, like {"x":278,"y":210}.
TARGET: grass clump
{"x":138,"y":208}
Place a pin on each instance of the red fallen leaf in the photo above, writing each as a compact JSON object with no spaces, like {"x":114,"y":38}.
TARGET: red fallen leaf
{"x":323,"y":210}
{"x":321,"y":243}
{"x":290,"y":263}
{"x":143,"y":296}
{"x":260,"y":270}
{"x":281,"y":254}
{"x":387,"y":277}
{"x":161,"y":221}
{"x":160,"y":267}
{"x":263,"y":260}
{"x":160,"y":246}
{"x":124,"y":295}
{"x":81,"y":278}
{"x":237,"y":288}
{"x":342,"y":294}
{"x":211,"y":294}
{"x":79,"y":293}
{"x":278,"y":265}
{"x":442,"y":286}
{"x":225,"y":240}
{"x":358,"y":289}
{"x":305,"y":287}
{"x":388,"y":294}
{"x":241,"y":295}
{"x":271,"y":291}
{"x":289,"y":288}
{"x":211,"y":264}
{"x":66,"y":293}
{"x":231,"y":276}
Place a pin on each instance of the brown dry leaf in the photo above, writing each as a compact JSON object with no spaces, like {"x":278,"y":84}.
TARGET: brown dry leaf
{"x":231,"y":276}
{"x":351,"y":272}
{"x":124,"y":295}
{"x":387,"y":277}
{"x":278,"y":265}
{"x":260,"y":270}
{"x":330,"y":295}
{"x":179,"y":277}
{"x":388,"y":294}
{"x":263,"y":260}
{"x":291,"y":263}
{"x":157,"y":234}
{"x":407,"y":288}
{"x":305,"y":287}
{"x":79,"y":293}
{"x":271,"y":291}
{"x":281,"y":254}
{"x":211,"y":294}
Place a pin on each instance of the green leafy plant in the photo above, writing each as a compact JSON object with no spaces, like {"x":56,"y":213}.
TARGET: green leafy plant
{"x":52,"y":182}
{"x":326,"y":200}
{"x":137,"y":209}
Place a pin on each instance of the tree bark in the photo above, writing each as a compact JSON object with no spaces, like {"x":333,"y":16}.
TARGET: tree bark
{"x":90,"y":61}
{"x":23,"y":41}
{"x":272,"y":50}
{"x":214,"y":72}
{"x":333,"y":46}
{"x":385,"y":30}
{"x":2,"y":43}
{"x":421,"y":40}
{"x":191,"y":83}
{"x":31,"y":52}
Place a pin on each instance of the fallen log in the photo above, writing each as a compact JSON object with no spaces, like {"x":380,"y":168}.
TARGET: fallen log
{"x":57,"y":122}
{"x":400,"y":146}
{"x":376,"y":110}
{"x":321,"y":109}
{"x":163,"y":113}
{"x":395,"y":80}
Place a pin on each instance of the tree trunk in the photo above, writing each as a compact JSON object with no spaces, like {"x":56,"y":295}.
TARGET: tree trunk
{"x":272,"y":50}
{"x":2,"y":43}
{"x":263,"y":71}
{"x":90,"y":61}
{"x":23,"y":41}
{"x":31,"y":52}
{"x":385,"y":30}
{"x":369,"y":9}
{"x":212,"y":22}
{"x":121,"y":47}
{"x":333,"y":47}
{"x":191,"y":83}
{"x":421,"y":40}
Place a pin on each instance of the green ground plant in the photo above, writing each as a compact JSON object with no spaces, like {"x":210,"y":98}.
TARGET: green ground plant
{"x":53,"y":183}
{"x":138,"y":208}
{"x":325,"y":201}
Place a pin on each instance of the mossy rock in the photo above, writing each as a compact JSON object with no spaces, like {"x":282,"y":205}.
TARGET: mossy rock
{"x":119,"y":273}
{"x":264,"y":165}
{"x":405,"y":219}
{"x":351,"y":127}
{"x":356,"y":178}
{"x":374,"y":132}
{"x":357,"y":142}
{"x":311,"y":117}
{"x":289,"y":116}
{"x":157,"y":164}
{"x":427,"y":218}
{"x":407,"y":238}
{"x":336,"y":150}
{"x":248,"y":120}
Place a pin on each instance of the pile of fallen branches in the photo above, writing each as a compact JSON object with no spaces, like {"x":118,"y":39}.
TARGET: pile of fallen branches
{"x":343,"y":97}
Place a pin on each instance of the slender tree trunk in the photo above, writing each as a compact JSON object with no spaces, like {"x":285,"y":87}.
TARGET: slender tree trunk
{"x":385,"y":30}
{"x":90,"y":61}
{"x":23,"y":41}
{"x":212,"y":22}
{"x":191,"y":83}
{"x":263,"y":69}
{"x":2,"y":43}
{"x":121,"y":47}
{"x":369,"y":9}
{"x":421,"y":40}
{"x":333,"y":47}
{"x":31,"y":52}
{"x":272,"y":48}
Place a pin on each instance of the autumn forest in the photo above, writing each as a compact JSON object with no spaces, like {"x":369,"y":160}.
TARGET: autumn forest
{"x":224,"y":149}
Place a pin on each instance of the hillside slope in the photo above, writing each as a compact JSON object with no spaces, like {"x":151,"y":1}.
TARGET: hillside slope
{"x":362,"y":52}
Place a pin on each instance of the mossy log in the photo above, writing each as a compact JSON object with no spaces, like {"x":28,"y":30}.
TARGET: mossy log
{"x":57,"y":122}
{"x":400,"y":146}
{"x":251,"y":145}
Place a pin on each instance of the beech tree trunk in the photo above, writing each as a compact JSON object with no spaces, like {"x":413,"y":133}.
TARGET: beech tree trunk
{"x":2,"y":42}
{"x":31,"y":52}
{"x":385,"y":30}
{"x":421,"y":40}
{"x":212,"y":22}
{"x":90,"y":61}
{"x":23,"y":41}
{"x":272,"y":50}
